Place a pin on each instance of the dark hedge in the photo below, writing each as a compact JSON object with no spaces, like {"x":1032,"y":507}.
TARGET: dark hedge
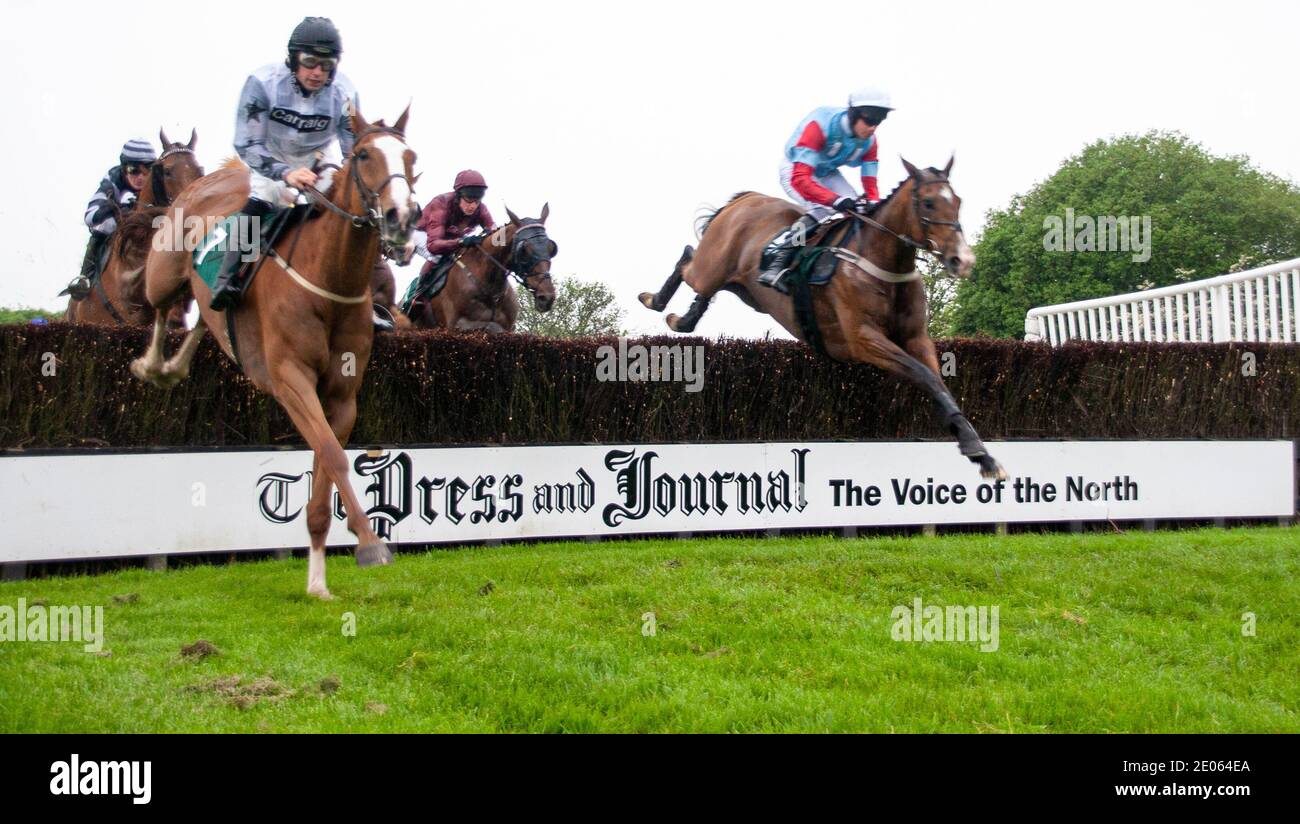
{"x":434,"y":387}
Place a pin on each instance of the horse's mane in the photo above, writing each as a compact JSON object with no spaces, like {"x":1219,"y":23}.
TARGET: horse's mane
{"x":135,"y":232}
{"x":933,"y":171}
{"x":703,"y":221}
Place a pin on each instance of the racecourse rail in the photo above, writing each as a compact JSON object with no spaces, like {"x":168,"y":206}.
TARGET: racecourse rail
{"x":1259,"y":305}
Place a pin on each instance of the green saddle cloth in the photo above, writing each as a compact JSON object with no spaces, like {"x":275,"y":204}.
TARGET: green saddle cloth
{"x":207,"y":257}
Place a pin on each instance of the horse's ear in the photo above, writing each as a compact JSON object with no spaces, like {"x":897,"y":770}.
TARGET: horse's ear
{"x":912,"y":171}
{"x":948,"y":168}
{"x":546,"y":210}
{"x":357,"y":122}
{"x":400,"y":125}
{"x":513,"y":217}
{"x":416,"y":179}
{"x":194,"y":138}
{"x":162,"y":135}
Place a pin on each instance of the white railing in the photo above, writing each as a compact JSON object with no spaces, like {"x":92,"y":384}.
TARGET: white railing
{"x":1259,"y":305}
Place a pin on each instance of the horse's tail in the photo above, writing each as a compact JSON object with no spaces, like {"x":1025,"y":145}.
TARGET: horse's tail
{"x":703,"y":221}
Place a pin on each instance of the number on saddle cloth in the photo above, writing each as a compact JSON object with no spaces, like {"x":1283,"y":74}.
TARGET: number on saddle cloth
{"x":238,"y":229}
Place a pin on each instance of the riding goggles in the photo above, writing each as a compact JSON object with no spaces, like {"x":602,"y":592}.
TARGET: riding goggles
{"x":311,"y":61}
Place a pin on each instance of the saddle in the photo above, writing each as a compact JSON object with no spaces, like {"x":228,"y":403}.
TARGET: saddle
{"x":428,"y":284}
{"x":208,"y":255}
{"x":819,"y":267}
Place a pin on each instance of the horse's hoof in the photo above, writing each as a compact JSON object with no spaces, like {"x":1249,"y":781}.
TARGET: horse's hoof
{"x":374,"y":555}
{"x":671,"y":320}
{"x":990,"y":468}
{"x":321,"y":593}
{"x":140,"y":371}
{"x":648,"y":301}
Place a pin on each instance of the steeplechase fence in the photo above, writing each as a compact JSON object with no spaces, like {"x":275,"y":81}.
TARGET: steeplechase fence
{"x":470,"y":438}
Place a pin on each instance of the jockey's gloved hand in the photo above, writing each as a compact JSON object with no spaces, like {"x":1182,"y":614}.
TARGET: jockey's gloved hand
{"x":846,"y":204}
{"x":127,"y":198}
{"x":471,"y":240}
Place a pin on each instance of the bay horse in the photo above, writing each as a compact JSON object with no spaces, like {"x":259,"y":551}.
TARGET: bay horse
{"x":117,"y":298}
{"x":478,"y":294}
{"x":302,"y":332}
{"x":873,"y":310}
{"x":383,"y":287}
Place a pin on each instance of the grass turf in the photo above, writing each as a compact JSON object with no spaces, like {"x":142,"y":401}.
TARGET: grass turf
{"x":1139,"y":632}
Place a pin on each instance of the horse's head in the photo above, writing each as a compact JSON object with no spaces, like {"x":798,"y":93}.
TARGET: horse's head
{"x":530,"y":255}
{"x":934,"y":221}
{"x":176,"y":168}
{"x":383,"y":168}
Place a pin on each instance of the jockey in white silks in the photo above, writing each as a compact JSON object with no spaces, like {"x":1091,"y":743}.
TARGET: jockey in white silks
{"x":291,"y":116}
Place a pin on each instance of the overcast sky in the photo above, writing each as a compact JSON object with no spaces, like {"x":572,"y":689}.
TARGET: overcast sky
{"x":630,"y":118}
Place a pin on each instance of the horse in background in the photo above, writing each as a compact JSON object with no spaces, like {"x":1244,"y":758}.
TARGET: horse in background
{"x":478,"y":294}
{"x":117,"y":296}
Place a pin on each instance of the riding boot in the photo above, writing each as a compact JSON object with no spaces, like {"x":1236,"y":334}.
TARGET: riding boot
{"x":785,"y":245}
{"x":79,"y":288}
{"x":229,"y":287}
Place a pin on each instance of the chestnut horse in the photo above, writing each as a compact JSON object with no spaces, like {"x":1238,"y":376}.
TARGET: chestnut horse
{"x":118,"y":294}
{"x":478,"y":294}
{"x":303,"y":329}
{"x":873,"y":310}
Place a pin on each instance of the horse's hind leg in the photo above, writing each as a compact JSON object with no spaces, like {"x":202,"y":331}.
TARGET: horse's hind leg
{"x":148,"y":367}
{"x":658,"y":300}
{"x":686,"y":323}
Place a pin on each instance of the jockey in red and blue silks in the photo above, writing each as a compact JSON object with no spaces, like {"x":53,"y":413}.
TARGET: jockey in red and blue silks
{"x":828,"y":138}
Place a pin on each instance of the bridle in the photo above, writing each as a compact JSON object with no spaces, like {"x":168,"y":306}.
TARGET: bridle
{"x":156,"y":185}
{"x":926,"y":245}
{"x":369,"y":197}
{"x":513,"y":268}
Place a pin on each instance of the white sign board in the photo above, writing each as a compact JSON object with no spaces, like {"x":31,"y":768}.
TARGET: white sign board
{"x":122,"y":504}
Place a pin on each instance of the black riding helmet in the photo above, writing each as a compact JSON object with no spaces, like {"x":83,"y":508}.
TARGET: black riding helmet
{"x":318,"y":36}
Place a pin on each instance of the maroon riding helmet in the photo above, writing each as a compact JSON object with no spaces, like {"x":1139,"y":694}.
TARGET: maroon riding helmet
{"x":470,"y":184}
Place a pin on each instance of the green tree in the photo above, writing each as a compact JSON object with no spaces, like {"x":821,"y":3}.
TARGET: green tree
{"x":24,"y":315}
{"x":1207,"y":215}
{"x":940,"y":297}
{"x":581,"y":308}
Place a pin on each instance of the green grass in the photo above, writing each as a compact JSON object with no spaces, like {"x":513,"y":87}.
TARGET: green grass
{"x":1135,"y":632}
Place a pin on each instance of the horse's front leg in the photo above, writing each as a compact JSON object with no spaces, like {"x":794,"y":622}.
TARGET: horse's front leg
{"x":920,"y":366}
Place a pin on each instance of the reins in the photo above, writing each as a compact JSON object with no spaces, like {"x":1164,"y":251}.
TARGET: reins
{"x":925,"y":246}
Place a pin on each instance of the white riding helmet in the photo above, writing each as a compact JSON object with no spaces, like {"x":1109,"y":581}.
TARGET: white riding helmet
{"x":871,"y":96}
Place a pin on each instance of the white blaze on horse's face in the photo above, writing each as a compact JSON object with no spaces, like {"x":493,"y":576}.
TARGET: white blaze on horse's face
{"x":398,"y":192}
{"x":965,"y":257}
